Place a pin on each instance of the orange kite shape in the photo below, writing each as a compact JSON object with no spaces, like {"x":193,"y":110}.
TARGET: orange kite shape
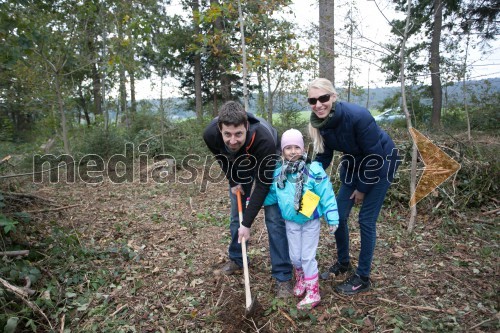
{"x":439,"y":166}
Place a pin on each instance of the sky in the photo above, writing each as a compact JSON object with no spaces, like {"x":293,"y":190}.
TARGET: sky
{"x":373,"y":24}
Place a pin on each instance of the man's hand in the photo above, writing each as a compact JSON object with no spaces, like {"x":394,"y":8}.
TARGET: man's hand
{"x":236,"y":189}
{"x":357,"y":196}
{"x":243,"y":232}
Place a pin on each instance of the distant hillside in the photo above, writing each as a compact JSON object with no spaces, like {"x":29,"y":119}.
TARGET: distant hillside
{"x":451,"y":93}
{"x":179,"y":108}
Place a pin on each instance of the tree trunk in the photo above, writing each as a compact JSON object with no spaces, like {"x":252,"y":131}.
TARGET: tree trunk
{"x":96,"y":89}
{"x":414,"y":154}
{"x":162,"y":116}
{"x":244,"y":53}
{"x":225,"y":81}
{"x":261,"y":99}
{"x":122,"y":77}
{"x":269,"y":95}
{"x":64,"y":125}
{"x":327,"y":40}
{"x":225,"y":87}
{"x":350,"y":76}
{"x":464,"y":88}
{"x":123,"y":95}
{"x":197,"y":62}
{"x":84,"y":105}
{"x":133,"y":102}
{"x":215,"y":111}
{"x":368,"y":90}
{"x":436,"y":88}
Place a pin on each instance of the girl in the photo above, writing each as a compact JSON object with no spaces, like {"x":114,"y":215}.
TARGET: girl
{"x":304,"y":193}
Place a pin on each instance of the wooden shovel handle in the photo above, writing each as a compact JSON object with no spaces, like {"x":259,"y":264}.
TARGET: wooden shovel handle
{"x":248,"y":295}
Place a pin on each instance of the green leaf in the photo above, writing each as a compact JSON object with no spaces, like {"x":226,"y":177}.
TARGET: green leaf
{"x":31,"y":324}
{"x":11,"y":325}
{"x":24,"y":217}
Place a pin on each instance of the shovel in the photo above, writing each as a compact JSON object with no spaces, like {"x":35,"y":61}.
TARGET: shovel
{"x":250,"y":304}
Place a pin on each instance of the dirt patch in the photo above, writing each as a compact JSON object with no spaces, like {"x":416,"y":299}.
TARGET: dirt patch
{"x":234,"y":318}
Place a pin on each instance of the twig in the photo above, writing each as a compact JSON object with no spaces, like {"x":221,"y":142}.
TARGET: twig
{"x":62,"y":323}
{"x":416,"y":307}
{"x":289,"y":319}
{"x":5,"y":159}
{"x":50,"y":209}
{"x":23,"y":294}
{"x":218,"y":300}
{"x":260,"y":236}
{"x":15,"y":253}
{"x":193,"y":212}
{"x":494,"y":211}
{"x":26,"y":195}
{"x":463,"y":284}
{"x":483,"y":221}
{"x":119,"y":309}
{"x":37,"y":172}
{"x":26,"y":288}
{"x":483,"y":322}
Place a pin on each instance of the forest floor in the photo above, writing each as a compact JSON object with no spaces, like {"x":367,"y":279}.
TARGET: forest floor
{"x":145,"y":257}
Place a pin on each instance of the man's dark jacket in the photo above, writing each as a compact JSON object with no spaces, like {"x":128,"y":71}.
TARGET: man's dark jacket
{"x":255,"y":161}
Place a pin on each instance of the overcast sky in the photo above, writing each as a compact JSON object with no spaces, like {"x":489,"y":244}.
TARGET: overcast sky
{"x":372,"y":17}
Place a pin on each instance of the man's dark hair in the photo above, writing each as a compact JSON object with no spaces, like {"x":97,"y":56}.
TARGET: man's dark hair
{"x":232,"y":113}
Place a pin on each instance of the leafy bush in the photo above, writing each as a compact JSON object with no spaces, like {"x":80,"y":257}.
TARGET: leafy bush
{"x":186,"y":138}
{"x":474,"y":185}
{"x":6,"y":129}
{"x":96,"y":140}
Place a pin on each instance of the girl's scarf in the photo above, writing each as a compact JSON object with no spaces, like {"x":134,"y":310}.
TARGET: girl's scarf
{"x":295,"y":167}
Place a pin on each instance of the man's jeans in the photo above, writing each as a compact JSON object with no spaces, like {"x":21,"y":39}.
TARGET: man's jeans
{"x":278,"y":245}
{"x":368,"y":214}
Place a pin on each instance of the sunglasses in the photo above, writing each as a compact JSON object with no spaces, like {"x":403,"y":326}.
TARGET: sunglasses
{"x":321,"y":99}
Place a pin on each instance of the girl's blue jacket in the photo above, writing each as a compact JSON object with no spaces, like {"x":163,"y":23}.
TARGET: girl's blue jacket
{"x":315,"y":180}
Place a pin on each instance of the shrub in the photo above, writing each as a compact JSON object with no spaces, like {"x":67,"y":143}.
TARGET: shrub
{"x":97,"y":140}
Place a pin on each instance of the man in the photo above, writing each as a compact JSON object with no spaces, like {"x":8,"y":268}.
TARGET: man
{"x":246,"y":148}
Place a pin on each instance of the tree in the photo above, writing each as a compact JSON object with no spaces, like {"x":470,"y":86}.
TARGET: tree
{"x":427,"y":23}
{"x":197,"y":60}
{"x":273,"y":51}
{"x":327,"y":40}
{"x":435,"y":68}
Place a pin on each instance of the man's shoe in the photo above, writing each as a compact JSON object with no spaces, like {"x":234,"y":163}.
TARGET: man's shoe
{"x":353,"y":285}
{"x":284,"y":289}
{"x":337,"y":269}
{"x":230,"y":268}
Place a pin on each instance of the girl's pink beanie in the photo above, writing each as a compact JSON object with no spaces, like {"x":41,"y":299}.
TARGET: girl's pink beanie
{"x":292,"y":137}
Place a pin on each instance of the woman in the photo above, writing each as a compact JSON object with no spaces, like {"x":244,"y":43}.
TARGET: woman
{"x":367,"y":169}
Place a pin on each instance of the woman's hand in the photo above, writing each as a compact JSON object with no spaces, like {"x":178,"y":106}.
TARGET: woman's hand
{"x":357,"y":196}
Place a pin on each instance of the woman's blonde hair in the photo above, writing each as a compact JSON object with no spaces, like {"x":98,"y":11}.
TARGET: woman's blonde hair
{"x":317,"y":139}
